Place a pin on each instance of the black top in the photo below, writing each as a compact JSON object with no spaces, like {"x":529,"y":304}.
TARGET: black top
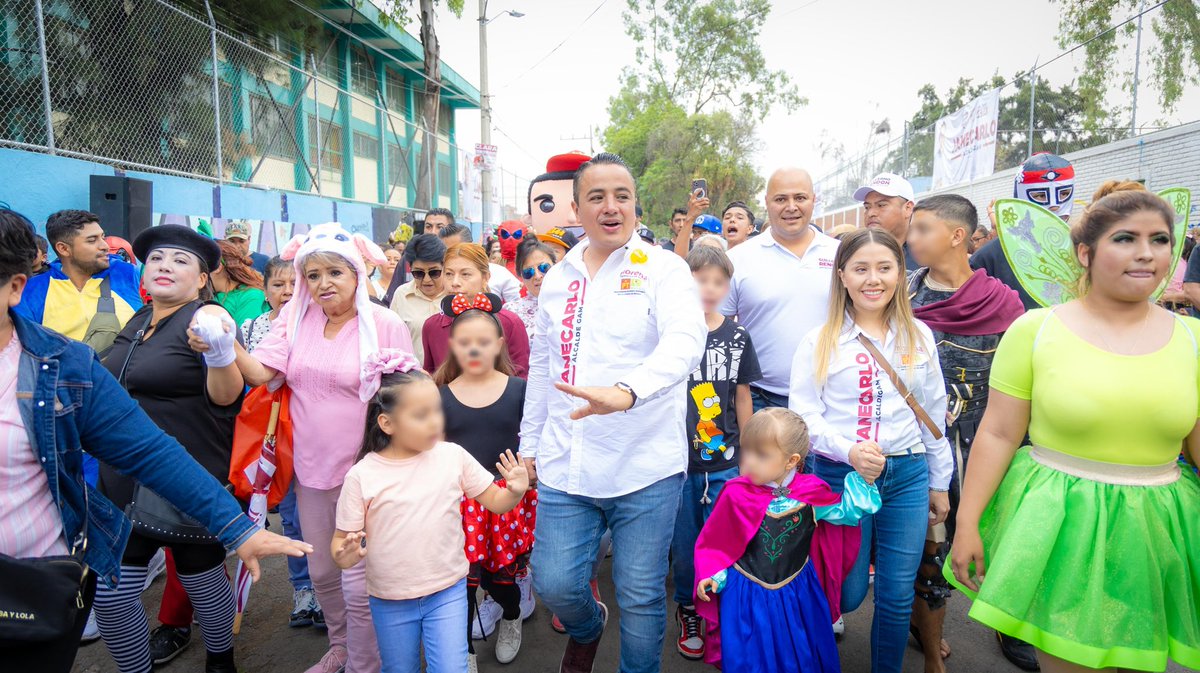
{"x":168,"y":381}
{"x":780,"y":548}
{"x":966,"y":366}
{"x":1191,"y":274}
{"x":729,"y":360}
{"x":485,"y":432}
{"x":991,"y":259}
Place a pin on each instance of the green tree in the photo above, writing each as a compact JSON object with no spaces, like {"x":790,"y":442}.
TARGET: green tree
{"x":1172,"y":49}
{"x":690,"y":106}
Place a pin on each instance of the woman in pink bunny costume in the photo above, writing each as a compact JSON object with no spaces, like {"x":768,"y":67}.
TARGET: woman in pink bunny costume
{"x":330,"y":343}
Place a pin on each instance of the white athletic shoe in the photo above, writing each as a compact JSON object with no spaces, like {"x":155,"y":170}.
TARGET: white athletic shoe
{"x":484,"y":623}
{"x":472,"y":663}
{"x":839,"y":628}
{"x":157,"y":566}
{"x":528,"y":603}
{"x":91,"y":632}
{"x":508,"y":640}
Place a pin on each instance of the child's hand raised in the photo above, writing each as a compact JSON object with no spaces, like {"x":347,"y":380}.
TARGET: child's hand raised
{"x":704,"y":587}
{"x":512,"y":468}
{"x":351,"y":550}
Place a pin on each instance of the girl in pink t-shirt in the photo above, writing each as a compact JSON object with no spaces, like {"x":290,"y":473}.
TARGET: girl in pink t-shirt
{"x":401,"y":502}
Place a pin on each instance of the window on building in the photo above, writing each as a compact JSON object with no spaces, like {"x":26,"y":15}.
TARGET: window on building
{"x":444,"y":118}
{"x":331,"y":144}
{"x":446,"y":185}
{"x":366,"y":146}
{"x":272,"y":129}
{"x":362,"y":73}
{"x":397,"y":167}
{"x":329,"y":64}
{"x":397,"y":94}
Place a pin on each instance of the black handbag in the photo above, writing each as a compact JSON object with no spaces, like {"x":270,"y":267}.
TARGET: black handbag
{"x":40,"y":598}
{"x":151,"y":514}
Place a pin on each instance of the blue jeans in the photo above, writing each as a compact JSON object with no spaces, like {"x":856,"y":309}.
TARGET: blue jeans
{"x":696,"y":502}
{"x":437,"y":621}
{"x":897,"y":534}
{"x":764,"y":399}
{"x":567,"y":539}
{"x":297,"y":565}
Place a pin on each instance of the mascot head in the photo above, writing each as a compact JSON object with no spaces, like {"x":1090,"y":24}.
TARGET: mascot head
{"x":511,"y":233}
{"x":550,"y":195}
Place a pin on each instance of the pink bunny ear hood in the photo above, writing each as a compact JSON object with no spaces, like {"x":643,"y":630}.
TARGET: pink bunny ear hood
{"x":332,"y":237}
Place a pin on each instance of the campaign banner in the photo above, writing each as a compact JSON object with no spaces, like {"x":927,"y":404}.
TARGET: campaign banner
{"x":485,"y":156}
{"x":965,"y":143}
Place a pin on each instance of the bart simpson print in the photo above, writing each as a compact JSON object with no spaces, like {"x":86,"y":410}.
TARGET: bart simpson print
{"x":709,"y":440}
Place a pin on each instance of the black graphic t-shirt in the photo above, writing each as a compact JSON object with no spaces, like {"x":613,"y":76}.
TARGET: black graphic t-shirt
{"x":729,"y":361}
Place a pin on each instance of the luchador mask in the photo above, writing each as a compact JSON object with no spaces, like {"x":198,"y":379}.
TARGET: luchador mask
{"x":511,"y":233}
{"x":1049,"y":181}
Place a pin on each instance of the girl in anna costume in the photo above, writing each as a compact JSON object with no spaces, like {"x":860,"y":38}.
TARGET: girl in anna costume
{"x":770,"y":555}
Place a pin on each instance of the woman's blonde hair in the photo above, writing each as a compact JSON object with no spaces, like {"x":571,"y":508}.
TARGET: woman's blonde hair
{"x":898,"y":313}
{"x":473,"y":253}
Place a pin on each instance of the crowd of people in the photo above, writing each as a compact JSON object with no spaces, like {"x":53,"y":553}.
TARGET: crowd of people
{"x":768,"y":418}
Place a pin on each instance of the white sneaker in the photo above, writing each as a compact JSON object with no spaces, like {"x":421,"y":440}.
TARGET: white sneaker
{"x":839,"y":628}
{"x":157,"y":566}
{"x":472,"y":663}
{"x":527,"y":601}
{"x":484,"y":623}
{"x":91,"y":632}
{"x":508,"y":640}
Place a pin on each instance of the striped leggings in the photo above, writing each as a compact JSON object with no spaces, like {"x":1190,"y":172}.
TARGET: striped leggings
{"x":122,"y":619}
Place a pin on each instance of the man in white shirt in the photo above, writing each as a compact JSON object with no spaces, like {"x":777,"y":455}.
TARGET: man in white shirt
{"x":618,"y":327}
{"x":780,"y":287}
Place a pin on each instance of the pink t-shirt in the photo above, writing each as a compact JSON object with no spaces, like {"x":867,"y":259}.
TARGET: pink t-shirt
{"x":327,"y":414}
{"x":410,"y":510}
{"x":30,"y":523}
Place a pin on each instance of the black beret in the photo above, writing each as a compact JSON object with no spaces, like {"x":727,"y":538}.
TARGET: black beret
{"x":178,"y":236}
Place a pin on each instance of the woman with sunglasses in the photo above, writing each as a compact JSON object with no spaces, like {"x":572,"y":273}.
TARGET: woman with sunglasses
{"x":534,"y":259}
{"x":421,"y":297}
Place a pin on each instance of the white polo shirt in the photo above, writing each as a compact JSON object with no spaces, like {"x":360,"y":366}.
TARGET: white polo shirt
{"x":778,"y":297}
{"x":637,"y":322}
{"x":858,"y":401}
{"x":504,"y":283}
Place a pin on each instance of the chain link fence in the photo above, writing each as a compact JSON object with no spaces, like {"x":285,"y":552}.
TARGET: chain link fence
{"x":163,"y":86}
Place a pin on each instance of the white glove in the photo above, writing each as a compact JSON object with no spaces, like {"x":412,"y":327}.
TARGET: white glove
{"x":212,"y":329}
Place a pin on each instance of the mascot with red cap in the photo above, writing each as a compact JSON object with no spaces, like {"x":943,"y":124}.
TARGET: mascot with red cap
{"x":550,"y":195}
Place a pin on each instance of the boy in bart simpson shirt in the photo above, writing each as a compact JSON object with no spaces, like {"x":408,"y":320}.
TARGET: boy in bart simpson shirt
{"x":718,"y":404}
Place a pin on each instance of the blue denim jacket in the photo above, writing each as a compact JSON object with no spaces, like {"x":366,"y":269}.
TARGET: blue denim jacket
{"x":71,"y":404}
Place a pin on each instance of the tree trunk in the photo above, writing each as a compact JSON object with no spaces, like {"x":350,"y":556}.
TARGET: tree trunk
{"x":430,"y":98}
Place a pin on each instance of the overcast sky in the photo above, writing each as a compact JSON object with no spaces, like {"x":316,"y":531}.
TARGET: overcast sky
{"x":858,"y":62}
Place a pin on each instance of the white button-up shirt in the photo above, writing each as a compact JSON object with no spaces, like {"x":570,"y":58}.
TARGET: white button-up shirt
{"x":504,"y":283}
{"x":778,"y":297}
{"x":858,"y":402}
{"x":637,"y":322}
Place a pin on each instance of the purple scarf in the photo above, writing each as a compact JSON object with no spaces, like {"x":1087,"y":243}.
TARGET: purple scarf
{"x":983,"y":305}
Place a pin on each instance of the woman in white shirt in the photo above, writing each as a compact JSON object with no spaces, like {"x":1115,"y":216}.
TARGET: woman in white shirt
{"x":858,"y":419}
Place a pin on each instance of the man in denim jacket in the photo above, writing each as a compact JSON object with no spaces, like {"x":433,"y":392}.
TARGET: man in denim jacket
{"x":67,"y":403}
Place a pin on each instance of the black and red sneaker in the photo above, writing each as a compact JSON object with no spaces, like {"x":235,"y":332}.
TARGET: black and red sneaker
{"x":691,"y":633}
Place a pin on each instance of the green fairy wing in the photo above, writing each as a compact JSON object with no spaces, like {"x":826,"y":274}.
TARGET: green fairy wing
{"x":1037,"y":244}
{"x":1180,"y":199}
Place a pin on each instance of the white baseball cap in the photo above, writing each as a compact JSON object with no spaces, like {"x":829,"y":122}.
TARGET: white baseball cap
{"x":888,"y":184}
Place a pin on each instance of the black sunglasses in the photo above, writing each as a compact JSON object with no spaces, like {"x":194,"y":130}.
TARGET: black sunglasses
{"x":542,"y":268}
{"x":419,"y":274}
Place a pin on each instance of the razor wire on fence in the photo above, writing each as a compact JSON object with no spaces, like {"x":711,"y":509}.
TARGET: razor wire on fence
{"x":163,"y":86}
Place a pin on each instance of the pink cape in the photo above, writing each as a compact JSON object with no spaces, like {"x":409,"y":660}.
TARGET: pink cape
{"x":736,"y":519}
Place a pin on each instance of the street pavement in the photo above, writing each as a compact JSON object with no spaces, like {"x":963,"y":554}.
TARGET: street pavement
{"x":267,"y":645}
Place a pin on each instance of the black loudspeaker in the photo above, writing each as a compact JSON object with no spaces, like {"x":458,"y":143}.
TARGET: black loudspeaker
{"x":125,"y":205}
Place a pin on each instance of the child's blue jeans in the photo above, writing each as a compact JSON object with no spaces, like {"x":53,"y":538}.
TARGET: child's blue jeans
{"x":437,"y":621}
{"x":696,"y":502}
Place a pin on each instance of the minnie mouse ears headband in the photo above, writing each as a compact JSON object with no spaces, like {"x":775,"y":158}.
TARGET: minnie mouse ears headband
{"x":457,"y":304}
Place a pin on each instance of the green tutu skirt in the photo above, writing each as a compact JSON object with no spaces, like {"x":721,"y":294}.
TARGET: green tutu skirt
{"x":1098,"y":574}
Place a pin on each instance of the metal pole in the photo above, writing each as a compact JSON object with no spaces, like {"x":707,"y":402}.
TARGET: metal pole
{"x":1032,"y":99}
{"x":216,"y":90}
{"x":41,"y":35}
{"x":317,"y":116}
{"x":485,"y":114}
{"x":1137,"y":63}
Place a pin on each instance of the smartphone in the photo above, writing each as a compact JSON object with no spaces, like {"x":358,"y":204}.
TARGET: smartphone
{"x":702,"y":185}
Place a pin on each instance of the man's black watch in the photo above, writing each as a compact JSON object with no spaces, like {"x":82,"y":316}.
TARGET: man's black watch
{"x":628,"y":389}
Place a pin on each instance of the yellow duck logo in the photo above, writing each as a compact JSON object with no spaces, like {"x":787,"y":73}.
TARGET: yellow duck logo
{"x":710,"y":439}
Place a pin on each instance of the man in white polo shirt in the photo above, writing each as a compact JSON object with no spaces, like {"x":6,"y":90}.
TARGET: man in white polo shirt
{"x":780,"y":287}
{"x":618,"y":330}
{"x":888,"y":204}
